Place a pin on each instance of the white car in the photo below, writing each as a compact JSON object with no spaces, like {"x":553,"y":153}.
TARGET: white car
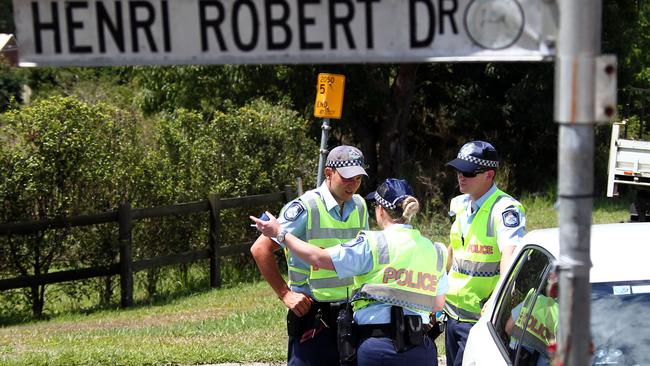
{"x":620,"y":301}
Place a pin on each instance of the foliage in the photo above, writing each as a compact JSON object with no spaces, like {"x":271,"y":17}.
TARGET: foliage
{"x":11,"y":81}
{"x":228,"y":154}
{"x":62,"y":158}
{"x":626,"y":33}
{"x":6,"y":16}
{"x":211,"y":88}
{"x":109,"y":85}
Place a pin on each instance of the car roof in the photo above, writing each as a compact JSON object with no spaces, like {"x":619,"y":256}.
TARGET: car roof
{"x":619,"y":252}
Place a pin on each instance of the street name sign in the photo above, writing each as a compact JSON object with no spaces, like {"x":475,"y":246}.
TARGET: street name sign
{"x":129,"y":32}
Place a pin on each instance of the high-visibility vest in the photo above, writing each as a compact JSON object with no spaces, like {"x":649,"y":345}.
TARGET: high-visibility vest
{"x":476,"y":260}
{"x":542,"y":324}
{"x":325,"y":231}
{"x":405,"y":272}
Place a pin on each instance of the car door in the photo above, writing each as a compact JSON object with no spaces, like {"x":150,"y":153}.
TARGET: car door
{"x":514,"y":329}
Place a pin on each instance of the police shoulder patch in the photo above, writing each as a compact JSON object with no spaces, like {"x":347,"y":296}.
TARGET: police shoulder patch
{"x":510,"y":218}
{"x":293,"y":211}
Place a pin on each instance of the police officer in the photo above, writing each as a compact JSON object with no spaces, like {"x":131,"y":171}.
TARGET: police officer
{"x":488,"y":225}
{"x":399,"y":278}
{"x":323,"y":217}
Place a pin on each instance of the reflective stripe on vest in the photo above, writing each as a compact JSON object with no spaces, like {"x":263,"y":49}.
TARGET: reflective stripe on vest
{"x":403,"y":276}
{"x":296,"y":276}
{"x":458,"y":313}
{"x":398,"y":297}
{"x":476,"y":269}
{"x":318,"y":232}
{"x":489,"y":231}
{"x":440,"y":253}
{"x":476,"y":261}
{"x":323,"y":283}
{"x":383,"y":256}
{"x":324,"y":231}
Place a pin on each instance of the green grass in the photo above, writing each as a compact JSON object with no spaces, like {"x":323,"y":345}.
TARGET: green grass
{"x":241,"y":323}
{"x":541,"y":214}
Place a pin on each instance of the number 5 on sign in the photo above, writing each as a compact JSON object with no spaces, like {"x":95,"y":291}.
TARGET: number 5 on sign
{"x":329,"y":96}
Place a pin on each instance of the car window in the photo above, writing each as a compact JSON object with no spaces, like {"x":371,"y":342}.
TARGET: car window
{"x":526,"y":318}
{"x":620,"y":329}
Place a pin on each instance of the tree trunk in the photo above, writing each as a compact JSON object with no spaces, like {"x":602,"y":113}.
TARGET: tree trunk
{"x":152,"y":278}
{"x":108,"y":290}
{"x":394,"y":123}
{"x":38,"y":300}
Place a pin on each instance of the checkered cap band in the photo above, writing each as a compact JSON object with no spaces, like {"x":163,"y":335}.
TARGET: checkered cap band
{"x":477,"y":161}
{"x":383,"y":202}
{"x":344,"y":163}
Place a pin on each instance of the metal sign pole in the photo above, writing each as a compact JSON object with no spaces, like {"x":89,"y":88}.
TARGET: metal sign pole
{"x":575,"y":112}
{"x":323,"y":150}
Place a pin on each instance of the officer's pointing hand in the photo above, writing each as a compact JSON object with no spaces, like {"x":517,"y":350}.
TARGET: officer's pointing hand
{"x":269,"y":228}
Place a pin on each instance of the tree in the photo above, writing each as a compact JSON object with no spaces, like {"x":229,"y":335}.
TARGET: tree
{"x":11,"y":83}
{"x":62,"y":158}
{"x":6,"y":17}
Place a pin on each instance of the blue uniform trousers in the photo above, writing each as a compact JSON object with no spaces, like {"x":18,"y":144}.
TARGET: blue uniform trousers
{"x":456,"y":334}
{"x":375,"y":351}
{"x":318,"y":351}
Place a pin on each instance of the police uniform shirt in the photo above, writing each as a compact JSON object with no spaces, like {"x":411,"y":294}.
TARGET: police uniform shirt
{"x":293,"y":218}
{"x":355,"y":258}
{"x":510,"y":219}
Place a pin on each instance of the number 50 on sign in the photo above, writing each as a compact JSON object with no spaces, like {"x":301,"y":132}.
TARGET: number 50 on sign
{"x":329,"y":96}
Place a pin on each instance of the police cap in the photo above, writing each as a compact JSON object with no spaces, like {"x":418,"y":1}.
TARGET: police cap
{"x":474,"y":157}
{"x":391,"y":193}
{"x":347,"y":160}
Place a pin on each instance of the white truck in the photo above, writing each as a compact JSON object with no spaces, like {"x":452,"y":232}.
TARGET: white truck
{"x":629,"y":164}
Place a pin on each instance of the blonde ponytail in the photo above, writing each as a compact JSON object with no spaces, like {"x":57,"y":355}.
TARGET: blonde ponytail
{"x":410,"y":208}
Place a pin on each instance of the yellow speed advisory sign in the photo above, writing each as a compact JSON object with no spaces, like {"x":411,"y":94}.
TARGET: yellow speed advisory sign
{"x":329,"y":96}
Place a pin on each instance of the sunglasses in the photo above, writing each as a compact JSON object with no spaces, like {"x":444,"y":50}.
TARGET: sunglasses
{"x":472,"y":174}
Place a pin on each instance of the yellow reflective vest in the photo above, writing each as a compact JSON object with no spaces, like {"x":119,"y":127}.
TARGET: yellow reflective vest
{"x":325,"y":231}
{"x":406,"y":269}
{"x":476,"y":260}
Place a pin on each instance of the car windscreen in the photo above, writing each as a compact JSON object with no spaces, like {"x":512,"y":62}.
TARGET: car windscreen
{"x":620,"y":324}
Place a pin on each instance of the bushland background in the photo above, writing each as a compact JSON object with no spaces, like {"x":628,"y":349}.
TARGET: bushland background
{"x":79,"y":141}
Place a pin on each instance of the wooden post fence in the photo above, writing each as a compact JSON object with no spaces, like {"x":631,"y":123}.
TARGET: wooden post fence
{"x":125,"y":216}
{"x":213,"y":241}
{"x":126,"y":257}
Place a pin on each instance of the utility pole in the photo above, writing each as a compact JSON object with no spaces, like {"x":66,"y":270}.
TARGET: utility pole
{"x":582,"y":97}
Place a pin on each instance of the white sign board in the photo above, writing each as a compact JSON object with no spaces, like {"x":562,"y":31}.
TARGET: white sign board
{"x":127,"y":32}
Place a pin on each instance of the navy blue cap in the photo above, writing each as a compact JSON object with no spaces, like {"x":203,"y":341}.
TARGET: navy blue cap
{"x":390,"y":193}
{"x":475,"y":156}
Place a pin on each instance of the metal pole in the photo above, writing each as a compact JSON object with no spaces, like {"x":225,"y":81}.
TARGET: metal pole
{"x":323,"y":150}
{"x":578,"y":46}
